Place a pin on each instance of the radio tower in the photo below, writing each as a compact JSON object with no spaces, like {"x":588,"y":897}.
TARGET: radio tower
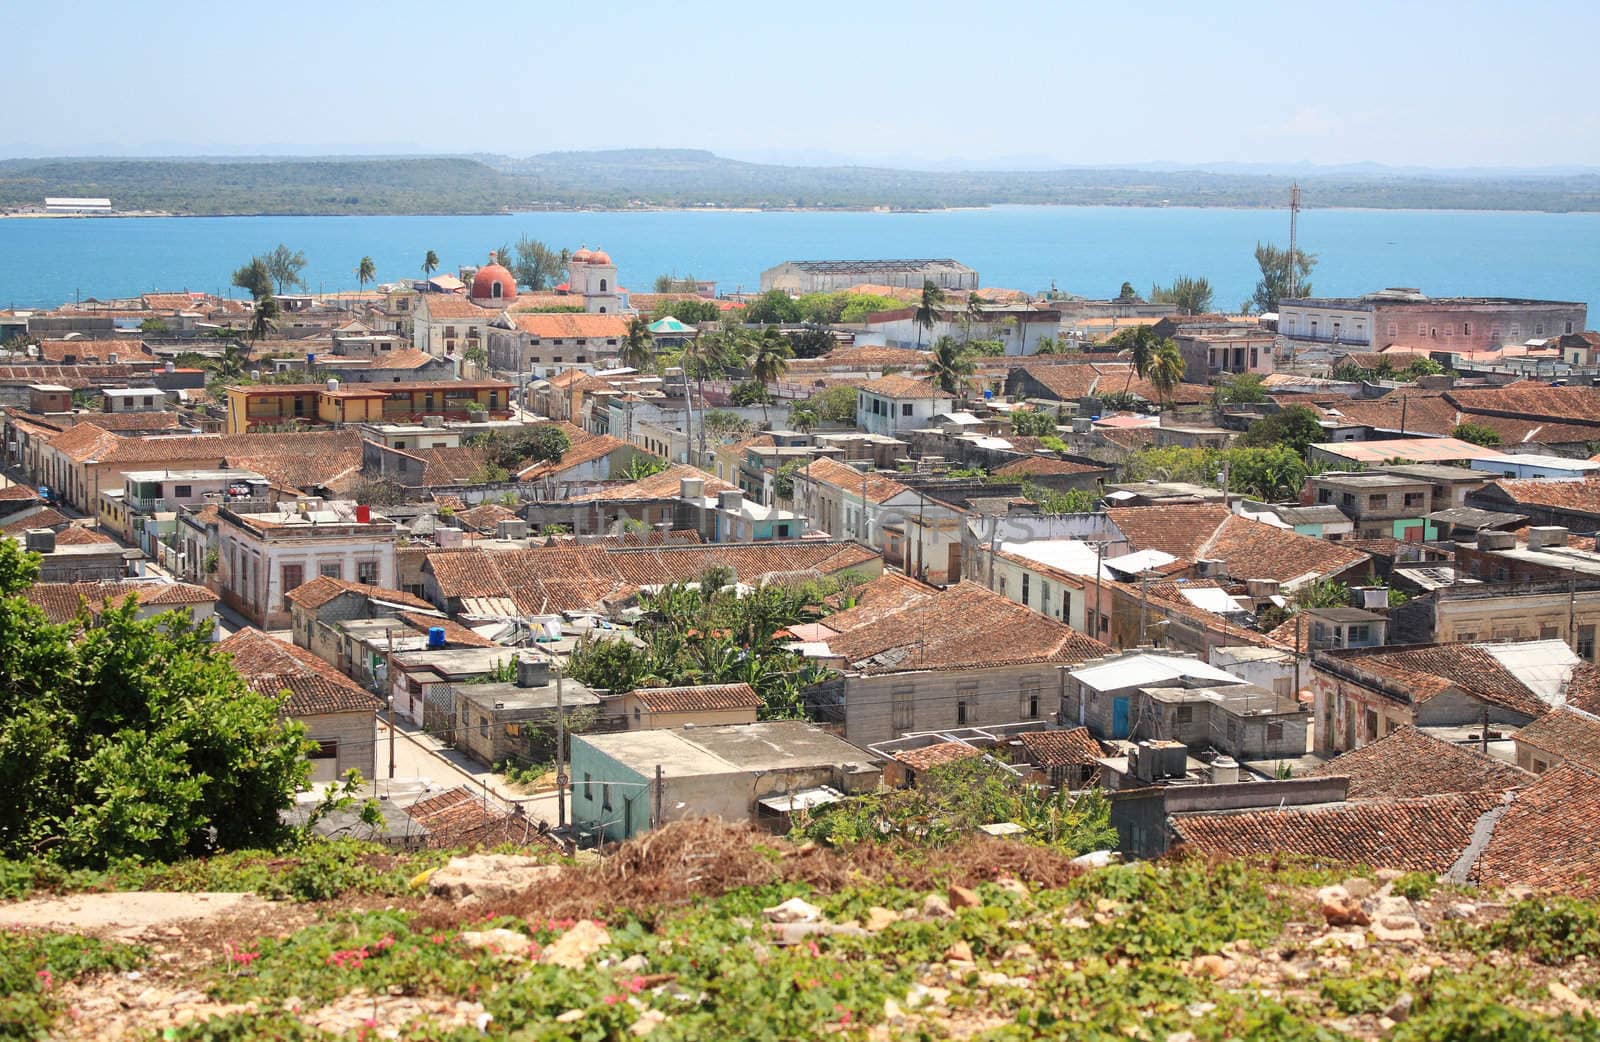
{"x":1294,"y":255}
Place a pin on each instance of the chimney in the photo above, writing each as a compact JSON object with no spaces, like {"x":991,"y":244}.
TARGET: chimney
{"x":1544,"y":536}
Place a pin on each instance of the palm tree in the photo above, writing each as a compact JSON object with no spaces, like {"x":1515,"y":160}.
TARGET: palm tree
{"x":769,"y":360}
{"x":1144,"y":351}
{"x":1165,"y":370}
{"x":949,"y":366}
{"x":265,"y":317}
{"x":693,"y":361}
{"x":927,"y":308}
{"x":972,"y":315}
{"x":366,"y":272}
{"x":430,"y":264}
{"x":638,"y":345}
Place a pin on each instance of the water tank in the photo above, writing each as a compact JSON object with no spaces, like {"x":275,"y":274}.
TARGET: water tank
{"x":311,"y":359}
{"x":39,"y":541}
{"x":363,"y":514}
{"x":333,"y":383}
{"x":532,"y":671}
{"x":1224,"y":770}
{"x":435,"y":636}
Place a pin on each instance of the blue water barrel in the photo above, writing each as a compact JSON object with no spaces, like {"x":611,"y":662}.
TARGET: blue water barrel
{"x":435,"y":636}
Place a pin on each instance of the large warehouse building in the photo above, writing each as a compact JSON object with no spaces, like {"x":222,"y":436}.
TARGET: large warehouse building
{"x":828,"y":276}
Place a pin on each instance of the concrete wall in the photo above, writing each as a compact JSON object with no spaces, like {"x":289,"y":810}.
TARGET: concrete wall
{"x":878,"y":708}
{"x":355,"y":733}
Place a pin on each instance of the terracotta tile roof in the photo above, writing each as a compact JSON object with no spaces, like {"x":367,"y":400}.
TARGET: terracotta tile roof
{"x":1573,"y":736}
{"x":106,"y":421}
{"x":1583,"y":688}
{"x":955,"y":629}
{"x":458,"y":465}
{"x":1547,"y":837}
{"x":1074,"y":747}
{"x":405,"y":358}
{"x":665,"y":484}
{"x":1530,"y":400}
{"x":272,"y":666}
{"x":571,"y":325}
{"x":49,"y":517}
{"x":899,"y":385}
{"x":1080,"y":380}
{"x":315,"y":593}
{"x":172,"y":301}
{"x":462,"y":818}
{"x":486,"y":516}
{"x":879,"y":488}
{"x":1426,"y":670}
{"x":18,"y":493}
{"x":575,"y":578}
{"x":1422,"y":413}
{"x":1032,"y":465}
{"x":698,"y":698}
{"x":861,"y":359}
{"x":77,"y":377}
{"x":302,"y":461}
{"x":1295,"y":631}
{"x":938,"y":753}
{"x":61,"y":601}
{"x":885,"y":595}
{"x":91,"y":352}
{"x":454,"y":633}
{"x":85,"y":441}
{"x":1424,"y":834}
{"x":452,"y":306}
{"x":1410,"y":763}
{"x":1180,"y":529}
{"x":1576,"y":496}
{"x":77,"y":535}
{"x":1256,"y":550}
{"x":585,"y":448}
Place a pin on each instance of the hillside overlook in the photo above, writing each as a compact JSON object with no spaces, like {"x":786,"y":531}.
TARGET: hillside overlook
{"x":701,"y":931}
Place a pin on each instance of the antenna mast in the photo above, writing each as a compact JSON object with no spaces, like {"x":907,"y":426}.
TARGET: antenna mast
{"x":1294,"y":255}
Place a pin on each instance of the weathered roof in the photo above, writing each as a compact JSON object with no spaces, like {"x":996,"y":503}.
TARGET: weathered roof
{"x":317,"y":592}
{"x":62,"y":601}
{"x":1074,"y":747}
{"x":924,"y":757}
{"x":1409,"y":762}
{"x":878,"y":487}
{"x":1572,"y":735}
{"x":272,"y":667}
{"x":1547,"y":837}
{"x":698,"y":698}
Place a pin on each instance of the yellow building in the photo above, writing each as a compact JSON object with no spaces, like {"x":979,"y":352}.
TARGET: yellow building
{"x":252,"y":407}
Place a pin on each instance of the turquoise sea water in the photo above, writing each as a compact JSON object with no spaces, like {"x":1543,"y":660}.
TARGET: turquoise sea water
{"x":1083,"y":250}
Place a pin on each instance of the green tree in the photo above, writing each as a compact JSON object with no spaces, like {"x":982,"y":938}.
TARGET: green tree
{"x":857,"y":306}
{"x":821,"y":309}
{"x":1165,"y":371}
{"x":836,"y":405}
{"x":254,"y":278}
{"x":131,"y":738}
{"x":638,"y":345}
{"x":1031,"y":424}
{"x":537,"y":266}
{"x":546,"y":442}
{"x":1274,"y":283}
{"x":774,"y":307}
{"x":1144,"y":344}
{"x":1127,"y":293}
{"x":692,"y":310}
{"x":769,"y":360}
{"x":264,"y":319}
{"x":366,"y":272}
{"x":948,"y":366}
{"x":1422,"y":367}
{"x":972,"y":314}
{"x":476,"y":356}
{"x":1192,"y":294}
{"x":1295,"y":427}
{"x":285,"y":266}
{"x":1050,"y":501}
{"x":154,"y":326}
{"x":643,"y":466}
{"x":1477,"y":434}
{"x":927,"y":308}
{"x":430,"y":263}
{"x":1243,"y":389}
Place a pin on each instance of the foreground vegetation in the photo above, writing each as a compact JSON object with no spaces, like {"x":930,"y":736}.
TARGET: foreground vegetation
{"x":674,"y":937}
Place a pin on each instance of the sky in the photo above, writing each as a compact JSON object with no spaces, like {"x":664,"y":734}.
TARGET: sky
{"x":1422,"y":83}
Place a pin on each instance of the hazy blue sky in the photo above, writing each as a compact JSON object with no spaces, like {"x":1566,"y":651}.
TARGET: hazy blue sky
{"x":1466,"y":83}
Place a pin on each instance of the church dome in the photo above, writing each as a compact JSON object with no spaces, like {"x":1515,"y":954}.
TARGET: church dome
{"x":493,"y":282}
{"x":583,"y":256}
{"x":600,"y":257}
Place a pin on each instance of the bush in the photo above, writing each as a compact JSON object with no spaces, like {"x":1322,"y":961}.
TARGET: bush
{"x":1552,"y":930}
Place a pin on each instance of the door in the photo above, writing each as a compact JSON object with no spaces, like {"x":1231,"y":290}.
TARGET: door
{"x":953,"y":565}
{"x":1119,"y":717}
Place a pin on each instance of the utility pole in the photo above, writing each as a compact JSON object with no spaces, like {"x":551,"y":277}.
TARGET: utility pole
{"x":1144,"y":603}
{"x":1099,"y":557}
{"x":1483,"y":732}
{"x":1294,"y":255}
{"x":561,"y":754}
{"x":388,"y":678}
{"x":657,"y":821}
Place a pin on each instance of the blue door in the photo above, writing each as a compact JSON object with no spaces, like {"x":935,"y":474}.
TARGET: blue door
{"x":1119,"y":718}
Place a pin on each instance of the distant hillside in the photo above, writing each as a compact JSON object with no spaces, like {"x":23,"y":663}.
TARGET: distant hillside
{"x":297,"y":186}
{"x":693,"y":178}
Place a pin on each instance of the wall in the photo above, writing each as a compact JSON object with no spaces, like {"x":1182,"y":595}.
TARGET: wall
{"x":878,"y":708}
{"x":591,"y":770}
{"x":355,"y":733}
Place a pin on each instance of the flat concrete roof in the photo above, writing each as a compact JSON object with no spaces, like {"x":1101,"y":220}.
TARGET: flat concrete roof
{"x":727,"y":749}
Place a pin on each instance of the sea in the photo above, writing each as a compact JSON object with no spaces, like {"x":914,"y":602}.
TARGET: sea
{"x":1088,"y":251}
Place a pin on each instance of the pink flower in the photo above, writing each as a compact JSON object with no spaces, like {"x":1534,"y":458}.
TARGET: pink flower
{"x":815,"y":951}
{"x":634,"y":984}
{"x":612,"y":1000}
{"x":46,"y":981}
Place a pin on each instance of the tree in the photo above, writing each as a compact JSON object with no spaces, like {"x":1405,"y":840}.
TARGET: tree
{"x":546,"y":442}
{"x":366,"y":272}
{"x":674,"y":284}
{"x":949,"y":366}
{"x":769,"y":360}
{"x":638,"y":345}
{"x":774,"y":307}
{"x":254,"y":278}
{"x":1420,"y":368}
{"x":1144,"y":343}
{"x":132,"y":738}
{"x":155,"y":326}
{"x":1274,"y":284}
{"x":972,"y":314}
{"x":285,"y":266}
{"x":1477,"y":434}
{"x":1128,"y":293}
{"x":812,"y":343}
{"x":537,"y":266}
{"x":1165,"y":371}
{"x":691,"y":310}
{"x":1192,"y":294}
{"x":1032,"y":424}
{"x":927,"y":308}
{"x":1245,"y":388}
{"x":836,"y":405}
{"x":265,"y":317}
{"x":430,"y":264}
{"x":477,"y":356}
{"x":1295,"y":427}
{"x":641,"y":467}
{"x":1050,"y":501}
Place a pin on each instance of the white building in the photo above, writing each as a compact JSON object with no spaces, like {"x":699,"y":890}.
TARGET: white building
{"x":828,"y":276}
{"x":1020,"y":327}
{"x":896,"y":403}
{"x":591,"y":275}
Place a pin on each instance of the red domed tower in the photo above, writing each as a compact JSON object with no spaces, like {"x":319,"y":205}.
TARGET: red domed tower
{"x":493,"y":284}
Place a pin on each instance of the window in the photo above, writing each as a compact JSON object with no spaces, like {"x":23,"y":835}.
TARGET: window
{"x":332,"y":569}
{"x":1394,"y":329}
{"x":1361,"y":633}
{"x":1274,"y":732}
{"x":1347,"y":499}
{"x":464,"y":718}
{"x":1025,"y":578}
{"x":1547,"y":632}
{"x":1324,"y":495}
{"x":961,"y":711}
{"x":904,"y":709}
{"x":1377,"y":502}
{"x":1466,"y":329}
{"x":483,"y":727}
{"x":1415,"y":499}
{"x":1538,"y":330}
{"x":1184,"y":714}
{"x":1029,"y":700}
{"x":1233,"y":729}
{"x":588,"y":787}
{"x":605,"y":795}
{"x":1372,"y":724}
{"x":905,"y":410}
{"x":367,"y":573}
{"x":1422,"y":329}
{"x":293,"y":575}
{"x":1540,"y":766}
{"x":602,"y":285}
{"x":327,"y":749}
{"x":1586,"y":643}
